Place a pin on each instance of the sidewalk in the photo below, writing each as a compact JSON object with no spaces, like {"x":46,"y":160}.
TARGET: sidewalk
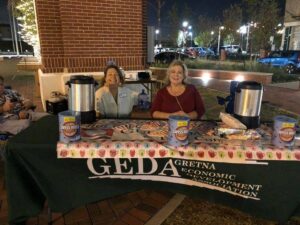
{"x":285,"y":98}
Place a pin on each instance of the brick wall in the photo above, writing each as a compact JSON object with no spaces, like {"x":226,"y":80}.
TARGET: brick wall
{"x":82,"y":35}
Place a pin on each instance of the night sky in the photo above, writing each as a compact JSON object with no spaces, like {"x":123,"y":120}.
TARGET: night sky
{"x":211,"y":8}
{"x":208,"y":7}
{"x":3,"y":12}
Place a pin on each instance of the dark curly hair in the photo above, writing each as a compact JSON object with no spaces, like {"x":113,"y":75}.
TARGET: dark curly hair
{"x":118,"y":71}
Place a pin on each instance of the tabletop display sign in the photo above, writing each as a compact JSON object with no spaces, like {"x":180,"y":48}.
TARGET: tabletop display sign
{"x":178,"y":130}
{"x":69,"y":126}
{"x":284,"y":131}
{"x":151,"y":139}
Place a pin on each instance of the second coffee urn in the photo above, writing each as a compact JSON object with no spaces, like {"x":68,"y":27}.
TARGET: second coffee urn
{"x":247,"y":103}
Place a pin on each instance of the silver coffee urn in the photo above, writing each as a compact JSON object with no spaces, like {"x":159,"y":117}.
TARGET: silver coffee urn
{"x":82,"y":97}
{"x":247,"y":103}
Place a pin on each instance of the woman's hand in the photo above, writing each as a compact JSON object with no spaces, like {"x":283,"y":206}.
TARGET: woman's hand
{"x":180,"y":113}
{"x":7,"y":106}
{"x":23,"y":115}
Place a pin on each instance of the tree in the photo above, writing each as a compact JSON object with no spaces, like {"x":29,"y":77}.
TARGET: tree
{"x":205,"y":26}
{"x":265,"y":13}
{"x":232,"y":20}
{"x":159,"y":4}
{"x":174,"y":22}
{"x":187,"y":14}
{"x":203,"y":39}
{"x":24,"y":11}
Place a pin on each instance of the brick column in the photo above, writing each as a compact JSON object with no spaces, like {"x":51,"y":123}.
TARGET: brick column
{"x":82,"y":36}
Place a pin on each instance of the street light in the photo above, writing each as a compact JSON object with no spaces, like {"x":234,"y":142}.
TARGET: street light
{"x":219,"y":38}
{"x":156,"y":33}
{"x":191,"y":35}
{"x":185,"y":27}
{"x":185,"y":23}
{"x":211,"y":38}
{"x":242,"y":30}
{"x":248,"y":33}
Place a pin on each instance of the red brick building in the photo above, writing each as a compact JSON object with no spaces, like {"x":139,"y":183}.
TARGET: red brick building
{"x":83,"y":35}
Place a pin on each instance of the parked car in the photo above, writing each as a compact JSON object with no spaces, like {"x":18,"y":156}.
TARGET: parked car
{"x":168,"y":57}
{"x":192,"y":52}
{"x":289,"y":60}
{"x":232,"y":49}
{"x":204,"y":52}
{"x":201,"y":51}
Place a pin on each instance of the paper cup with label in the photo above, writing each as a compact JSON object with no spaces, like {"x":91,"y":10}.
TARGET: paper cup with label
{"x":178,"y":130}
{"x":284,"y":131}
{"x":69,"y":126}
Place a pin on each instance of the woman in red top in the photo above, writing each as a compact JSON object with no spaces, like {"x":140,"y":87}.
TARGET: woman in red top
{"x":177,"y":98}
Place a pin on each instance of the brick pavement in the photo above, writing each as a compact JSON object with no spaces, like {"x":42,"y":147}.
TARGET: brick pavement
{"x":134,"y":208}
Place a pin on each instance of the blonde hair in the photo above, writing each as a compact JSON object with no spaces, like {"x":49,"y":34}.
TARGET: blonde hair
{"x":176,"y":63}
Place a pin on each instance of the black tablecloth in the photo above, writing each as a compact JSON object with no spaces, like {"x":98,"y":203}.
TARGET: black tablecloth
{"x":34,"y":174}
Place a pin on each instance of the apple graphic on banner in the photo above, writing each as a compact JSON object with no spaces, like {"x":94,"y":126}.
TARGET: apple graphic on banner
{"x":151,"y":152}
{"x":101,"y":153}
{"x":162,"y":152}
{"x":181,"y":153}
{"x":270,"y":155}
{"x":156,"y":145}
{"x":137,"y":145}
{"x":128,"y":145}
{"x":249,"y":155}
{"x":297,"y":155}
{"x":132,"y":153}
{"x":82,"y":153}
{"x":63,"y":153}
{"x":260,"y":155}
{"x":279,"y":155}
{"x":113,"y":153}
{"x":230,"y":154}
{"x":212,"y":154}
{"x":201,"y":154}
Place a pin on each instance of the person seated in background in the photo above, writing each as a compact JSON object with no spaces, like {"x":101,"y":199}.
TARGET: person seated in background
{"x":15,"y":111}
{"x":113,"y":100}
{"x":177,"y":97}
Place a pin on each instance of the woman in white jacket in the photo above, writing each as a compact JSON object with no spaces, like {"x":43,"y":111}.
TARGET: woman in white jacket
{"x":113,"y":100}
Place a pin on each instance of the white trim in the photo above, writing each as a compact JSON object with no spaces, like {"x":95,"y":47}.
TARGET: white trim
{"x":166,"y":211}
{"x":292,"y":24}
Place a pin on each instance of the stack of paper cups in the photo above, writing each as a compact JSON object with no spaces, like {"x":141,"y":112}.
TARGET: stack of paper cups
{"x":178,"y":130}
{"x":284,"y":131}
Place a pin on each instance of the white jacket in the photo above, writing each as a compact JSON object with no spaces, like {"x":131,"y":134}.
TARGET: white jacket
{"x":106,"y":105}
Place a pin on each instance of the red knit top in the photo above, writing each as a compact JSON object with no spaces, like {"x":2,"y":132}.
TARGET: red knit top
{"x":190,"y":100}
